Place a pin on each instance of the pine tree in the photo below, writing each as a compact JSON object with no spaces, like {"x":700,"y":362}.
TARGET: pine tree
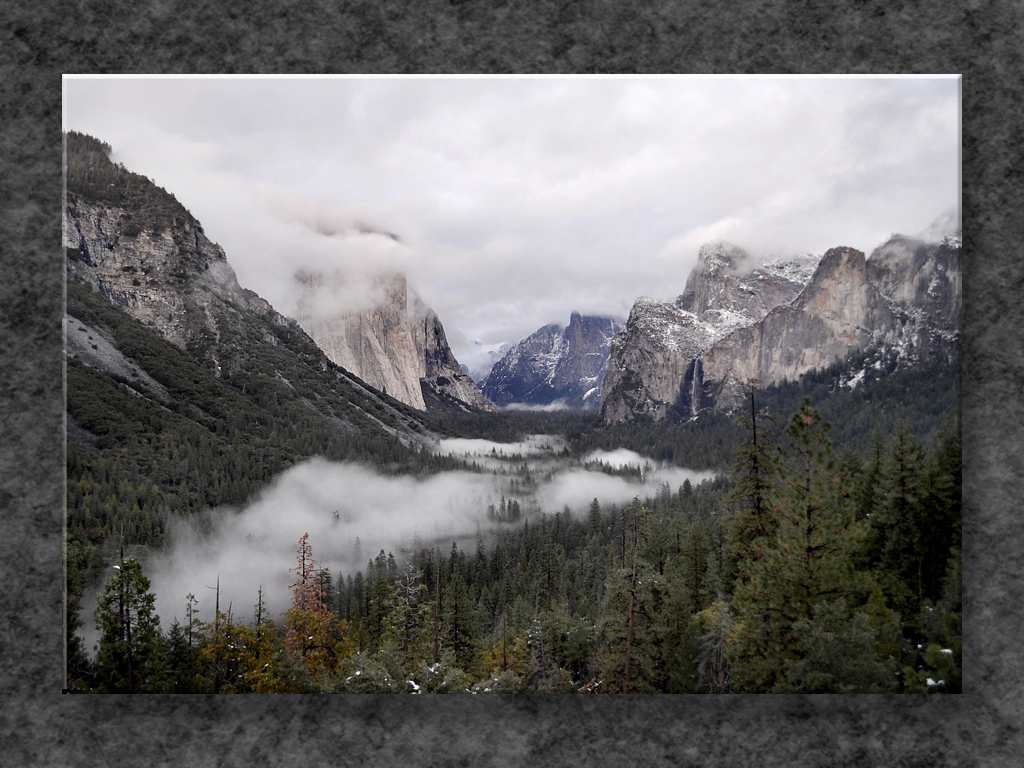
{"x":804,"y":568}
{"x":77,"y":665}
{"x":193,"y":626}
{"x":714,"y":669}
{"x":939,"y":669}
{"x":410,"y":616}
{"x":868,"y":492}
{"x":942,"y":506}
{"x":130,"y":647}
{"x":312,"y":634}
{"x":753,"y":476}
{"x":675,"y":625}
{"x":896,"y":545}
{"x":595,"y":523}
{"x":459,"y":627}
{"x":695,"y":569}
{"x":627,"y":628}
{"x":183,"y":667}
{"x":380,"y":599}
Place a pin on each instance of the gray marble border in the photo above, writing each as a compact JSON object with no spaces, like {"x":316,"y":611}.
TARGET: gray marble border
{"x":40,"y":40}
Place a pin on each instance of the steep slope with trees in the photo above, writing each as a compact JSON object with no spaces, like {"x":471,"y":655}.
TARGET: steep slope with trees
{"x":184,"y":391}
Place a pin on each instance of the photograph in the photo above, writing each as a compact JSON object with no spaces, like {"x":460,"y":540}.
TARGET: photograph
{"x":512,"y":384}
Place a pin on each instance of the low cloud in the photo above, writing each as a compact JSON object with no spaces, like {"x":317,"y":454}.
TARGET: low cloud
{"x":557,"y":405}
{"x":336,"y":504}
{"x":518,"y":201}
{"x":619,"y":458}
{"x":532,"y":445}
{"x":351,"y":512}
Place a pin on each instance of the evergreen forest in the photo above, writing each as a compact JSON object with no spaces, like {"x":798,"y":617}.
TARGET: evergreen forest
{"x":824,"y":557}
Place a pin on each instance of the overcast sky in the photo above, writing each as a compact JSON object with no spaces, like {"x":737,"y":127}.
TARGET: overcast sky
{"x":519,"y":200}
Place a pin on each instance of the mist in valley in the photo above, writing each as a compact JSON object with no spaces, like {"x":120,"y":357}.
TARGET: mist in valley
{"x":352,"y":512}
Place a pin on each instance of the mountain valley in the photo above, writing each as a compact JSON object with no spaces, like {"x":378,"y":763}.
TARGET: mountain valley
{"x":499,"y":538}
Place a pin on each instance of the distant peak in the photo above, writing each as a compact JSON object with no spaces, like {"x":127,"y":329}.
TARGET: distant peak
{"x":718,"y":253}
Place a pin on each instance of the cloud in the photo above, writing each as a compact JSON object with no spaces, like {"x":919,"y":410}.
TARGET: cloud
{"x":335,"y":504}
{"x":685,"y":245}
{"x":531,"y":445}
{"x":519,"y":200}
{"x":351,"y":512}
{"x":557,"y":405}
{"x":619,"y":458}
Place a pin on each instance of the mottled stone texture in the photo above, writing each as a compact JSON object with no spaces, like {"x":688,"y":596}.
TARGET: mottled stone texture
{"x":981,"y":39}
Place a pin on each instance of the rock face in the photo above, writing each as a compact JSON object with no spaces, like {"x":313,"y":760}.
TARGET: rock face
{"x":442,"y":378}
{"x":901,"y":306}
{"x":836,"y":314}
{"x":398,"y":346}
{"x":655,"y":367}
{"x":136,"y":246}
{"x":175,"y":280}
{"x":728,"y":289}
{"x":555,"y":365}
{"x":376,"y":345}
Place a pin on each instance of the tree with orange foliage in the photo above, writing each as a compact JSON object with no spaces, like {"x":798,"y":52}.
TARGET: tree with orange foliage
{"x":313,"y":634}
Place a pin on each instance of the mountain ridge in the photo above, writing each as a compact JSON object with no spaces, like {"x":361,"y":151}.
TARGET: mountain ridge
{"x":555,"y":366}
{"x":133,"y":244}
{"x":902,"y":305}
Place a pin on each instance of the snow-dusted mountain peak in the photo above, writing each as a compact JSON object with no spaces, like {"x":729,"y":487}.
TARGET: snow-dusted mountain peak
{"x":775,"y":319}
{"x":555,"y":365}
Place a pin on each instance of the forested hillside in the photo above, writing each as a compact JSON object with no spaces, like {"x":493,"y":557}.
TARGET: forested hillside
{"x":802,"y":569}
{"x":166,"y":437}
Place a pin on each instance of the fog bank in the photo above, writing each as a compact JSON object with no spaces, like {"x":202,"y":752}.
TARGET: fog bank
{"x":351,"y":512}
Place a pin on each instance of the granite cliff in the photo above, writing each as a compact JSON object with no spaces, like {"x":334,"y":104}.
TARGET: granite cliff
{"x":443,"y":381}
{"x":775,"y":322}
{"x":654,"y":368}
{"x":172,"y":279}
{"x":137,"y":247}
{"x":398,"y":346}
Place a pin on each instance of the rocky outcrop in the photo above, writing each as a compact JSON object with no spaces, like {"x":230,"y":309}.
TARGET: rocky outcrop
{"x":398,"y":346}
{"x":655,"y":368}
{"x":729,"y":289}
{"x":174,"y":280}
{"x":555,"y":365}
{"x":922,"y":283}
{"x":837,"y":312}
{"x":651,"y":361}
{"x":901,"y":306}
{"x":441,"y":375}
{"x":376,"y":345}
